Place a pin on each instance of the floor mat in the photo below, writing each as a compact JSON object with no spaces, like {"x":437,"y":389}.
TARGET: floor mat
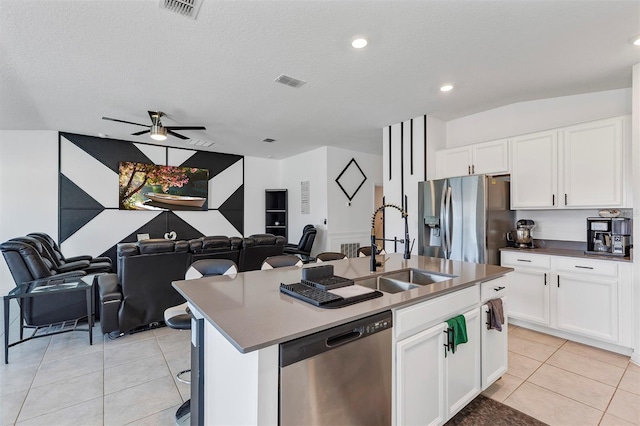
{"x":486,"y":411}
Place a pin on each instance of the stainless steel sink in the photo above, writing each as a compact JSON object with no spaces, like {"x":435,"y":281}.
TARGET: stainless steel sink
{"x":404,"y":280}
{"x":416,"y":276}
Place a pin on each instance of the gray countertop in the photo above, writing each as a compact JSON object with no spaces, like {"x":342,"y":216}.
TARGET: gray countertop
{"x":249,"y":310}
{"x":553,"y":251}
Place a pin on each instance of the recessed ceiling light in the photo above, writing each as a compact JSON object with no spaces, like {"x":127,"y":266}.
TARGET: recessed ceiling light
{"x":446,"y":88}
{"x":359,"y":43}
{"x":635,"y":40}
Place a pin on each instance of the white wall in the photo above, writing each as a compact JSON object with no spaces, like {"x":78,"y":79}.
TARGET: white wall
{"x":309,"y":166}
{"x":350,"y":222}
{"x":635,"y":154}
{"x":533,"y":116}
{"x":28,"y":188}
{"x":259,"y":174}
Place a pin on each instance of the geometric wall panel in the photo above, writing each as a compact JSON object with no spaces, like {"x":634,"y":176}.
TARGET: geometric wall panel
{"x":224,"y":184}
{"x":90,"y":221}
{"x":108,"y":151}
{"x":107,"y":229}
{"x":178,"y":156}
{"x":156,"y":154}
{"x":71,"y":220}
{"x":88,"y":173}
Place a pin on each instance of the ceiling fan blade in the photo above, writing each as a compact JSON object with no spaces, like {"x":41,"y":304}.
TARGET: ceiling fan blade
{"x":141,"y":132}
{"x":185,"y":127}
{"x":123,"y":121}
{"x":177,"y":135}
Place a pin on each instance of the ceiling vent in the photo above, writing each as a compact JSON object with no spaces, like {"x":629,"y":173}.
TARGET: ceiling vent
{"x":186,"y":8}
{"x":268,"y":140}
{"x":199,"y":142}
{"x":289,"y":81}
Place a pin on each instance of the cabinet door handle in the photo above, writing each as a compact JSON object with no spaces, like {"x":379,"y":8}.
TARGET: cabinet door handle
{"x":447,"y":347}
{"x":553,"y":200}
{"x":499,"y":288}
{"x":523,"y":260}
{"x":583,"y":267}
{"x":558,"y":281}
{"x":469,"y":170}
{"x":565,"y":199}
{"x":545,"y":278}
{"x":473,"y":169}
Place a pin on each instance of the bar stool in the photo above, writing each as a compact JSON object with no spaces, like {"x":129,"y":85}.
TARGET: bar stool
{"x":179,"y":317}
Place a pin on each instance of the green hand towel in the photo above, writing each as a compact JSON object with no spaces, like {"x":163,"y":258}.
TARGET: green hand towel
{"x":458,"y":326}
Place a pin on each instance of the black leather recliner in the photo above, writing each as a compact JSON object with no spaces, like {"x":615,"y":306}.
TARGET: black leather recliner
{"x":215,"y":247}
{"x":303,"y":248}
{"x":26,"y":264}
{"x":95,"y":264}
{"x":141,"y":291}
{"x":256,"y":248}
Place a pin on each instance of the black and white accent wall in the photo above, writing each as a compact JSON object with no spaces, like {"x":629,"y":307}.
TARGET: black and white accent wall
{"x":408,"y":150}
{"x":88,"y":214}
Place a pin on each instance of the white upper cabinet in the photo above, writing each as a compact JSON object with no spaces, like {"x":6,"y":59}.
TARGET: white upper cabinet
{"x":483,"y":158}
{"x":593,"y":164}
{"x":580,"y":166}
{"x":534,"y":170}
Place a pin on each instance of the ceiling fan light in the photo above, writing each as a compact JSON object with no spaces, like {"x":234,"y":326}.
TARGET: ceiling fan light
{"x":158,"y":133}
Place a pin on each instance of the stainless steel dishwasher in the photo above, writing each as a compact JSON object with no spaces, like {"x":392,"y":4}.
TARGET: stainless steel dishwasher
{"x":339,"y":376}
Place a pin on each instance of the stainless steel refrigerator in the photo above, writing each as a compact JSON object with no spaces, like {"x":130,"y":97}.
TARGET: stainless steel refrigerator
{"x":465,"y":218}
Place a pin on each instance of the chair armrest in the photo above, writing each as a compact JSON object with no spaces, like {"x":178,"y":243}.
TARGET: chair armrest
{"x":101,"y":259}
{"x":74,"y":266}
{"x":60,"y":278}
{"x":76,"y":258}
{"x":108,"y":287}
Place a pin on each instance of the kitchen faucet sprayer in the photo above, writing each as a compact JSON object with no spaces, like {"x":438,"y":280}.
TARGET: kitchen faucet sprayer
{"x":405,"y":241}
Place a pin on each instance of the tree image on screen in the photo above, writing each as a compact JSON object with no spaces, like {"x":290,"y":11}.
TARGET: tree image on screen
{"x":153,"y":187}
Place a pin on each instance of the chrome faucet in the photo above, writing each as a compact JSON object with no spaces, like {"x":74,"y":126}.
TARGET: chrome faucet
{"x":405,"y":241}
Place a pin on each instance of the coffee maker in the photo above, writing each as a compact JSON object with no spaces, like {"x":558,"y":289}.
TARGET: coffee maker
{"x":609,"y":236}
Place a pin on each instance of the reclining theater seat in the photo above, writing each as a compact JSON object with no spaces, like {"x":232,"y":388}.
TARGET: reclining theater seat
{"x":96,"y":264}
{"x":256,"y":248}
{"x":59,"y":266}
{"x":215,"y":247}
{"x":142,"y":290}
{"x":304,"y":246}
{"x":26,"y":264}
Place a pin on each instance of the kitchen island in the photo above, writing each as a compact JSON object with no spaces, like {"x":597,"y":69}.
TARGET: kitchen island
{"x":244,"y":318}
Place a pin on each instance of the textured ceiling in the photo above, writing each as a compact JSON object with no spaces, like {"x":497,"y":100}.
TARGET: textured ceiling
{"x":65,"y":64}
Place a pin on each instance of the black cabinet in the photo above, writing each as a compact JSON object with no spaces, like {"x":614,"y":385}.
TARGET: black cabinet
{"x":276,"y":212}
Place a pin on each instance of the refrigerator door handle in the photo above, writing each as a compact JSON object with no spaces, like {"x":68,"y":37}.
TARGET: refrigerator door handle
{"x":443,"y":223}
{"x":448,"y":216}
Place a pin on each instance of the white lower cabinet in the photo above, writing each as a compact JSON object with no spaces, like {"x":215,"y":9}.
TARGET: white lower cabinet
{"x":494,"y":347}
{"x":431,"y":383}
{"x":582,"y":296}
{"x":587,"y":306}
{"x":462,"y":368}
{"x":529,"y":295}
{"x":420,"y":375}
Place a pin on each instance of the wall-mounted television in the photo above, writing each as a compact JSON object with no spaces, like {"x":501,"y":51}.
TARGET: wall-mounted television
{"x":153,"y":187}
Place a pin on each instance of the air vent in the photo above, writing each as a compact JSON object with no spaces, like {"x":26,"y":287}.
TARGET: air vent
{"x":289,"y":81}
{"x":268,"y":140}
{"x":199,"y":142}
{"x":186,"y":8}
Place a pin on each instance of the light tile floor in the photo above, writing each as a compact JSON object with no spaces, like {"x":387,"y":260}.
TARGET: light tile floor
{"x":61,"y":380}
{"x":565,"y":383}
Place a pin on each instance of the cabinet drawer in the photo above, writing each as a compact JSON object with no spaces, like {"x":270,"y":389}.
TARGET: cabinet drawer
{"x":413,"y":319}
{"x":512,"y":258}
{"x":587,"y":266}
{"x":494,"y":288}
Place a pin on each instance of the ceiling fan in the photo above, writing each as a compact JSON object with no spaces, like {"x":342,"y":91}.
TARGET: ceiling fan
{"x":157,"y":130}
